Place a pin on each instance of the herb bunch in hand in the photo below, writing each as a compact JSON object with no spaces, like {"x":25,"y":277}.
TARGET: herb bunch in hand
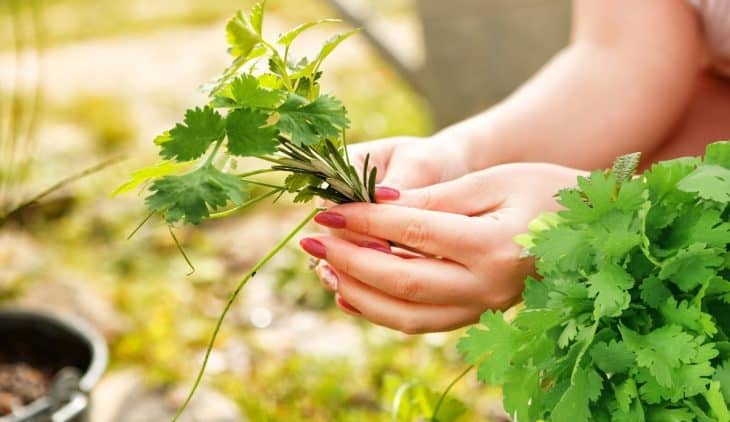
{"x":266,"y":105}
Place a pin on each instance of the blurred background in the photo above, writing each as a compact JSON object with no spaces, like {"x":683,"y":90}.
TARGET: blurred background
{"x":87,"y":81}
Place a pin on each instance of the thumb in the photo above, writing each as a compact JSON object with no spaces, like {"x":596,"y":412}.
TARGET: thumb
{"x":472,"y":194}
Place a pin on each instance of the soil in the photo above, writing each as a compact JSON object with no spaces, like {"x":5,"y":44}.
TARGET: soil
{"x":21,"y":384}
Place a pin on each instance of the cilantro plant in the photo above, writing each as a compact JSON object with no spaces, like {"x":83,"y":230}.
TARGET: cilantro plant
{"x":268,"y":105}
{"x":631,"y":318}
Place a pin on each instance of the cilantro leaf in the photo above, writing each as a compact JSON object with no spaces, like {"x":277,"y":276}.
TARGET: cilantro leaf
{"x":574,"y":404}
{"x":718,"y":153}
{"x":245,"y":91}
{"x":661,"y":350}
{"x":307,"y":123}
{"x":613,"y":357}
{"x":242,"y":36}
{"x":609,"y":287}
{"x":248,"y":134}
{"x":188,"y":141}
{"x":495,"y":339}
{"x":710,"y":182}
{"x":691,"y":266}
{"x":192,"y":196}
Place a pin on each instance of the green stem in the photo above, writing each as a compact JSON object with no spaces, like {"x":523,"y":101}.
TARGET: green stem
{"x":211,"y":157}
{"x":279,"y":246}
{"x":246,"y":204}
{"x":61,"y":184}
{"x":256,"y":173}
{"x":446,"y":392}
{"x":583,"y":351}
{"x":182,"y":251}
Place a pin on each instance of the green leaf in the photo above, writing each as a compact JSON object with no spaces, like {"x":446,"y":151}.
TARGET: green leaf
{"x":654,"y":292}
{"x":329,"y":46}
{"x":613,"y":357}
{"x":709,"y":182}
{"x":722,"y":375}
{"x":661,"y":351}
{"x":691,"y":267}
{"x":249,"y":135}
{"x":242,"y":37}
{"x":246,"y":91}
{"x":163,"y":168}
{"x":257,"y":16}
{"x":308,"y":123}
{"x":192,"y":196}
{"x":574,"y":404}
{"x":289,"y":37}
{"x":688,"y":316}
{"x":190,"y":140}
{"x":717,"y":402}
{"x":609,"y":287}
{"x":718,"y":153}
{"x":490,"y":346}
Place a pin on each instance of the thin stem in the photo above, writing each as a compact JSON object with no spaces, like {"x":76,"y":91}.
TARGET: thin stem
{"x":246,"y":204}
{"x":182,"y":251}
{"x":213,"y":153}
{"x":139,"y":226}
{"x":256,"y":172}
{"x":61,"y":184}
{"x":268,"y":185}
{"x":279,"y":246}
{"x":446,"y":392}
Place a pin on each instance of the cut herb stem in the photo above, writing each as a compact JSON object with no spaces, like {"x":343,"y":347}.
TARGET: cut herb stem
{"x":279,"y":246}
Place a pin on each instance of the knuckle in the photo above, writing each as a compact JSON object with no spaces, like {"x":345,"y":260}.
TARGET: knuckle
{"x":411,"y":325}
{"x":416,"y":234}
{"x":405,"y":286}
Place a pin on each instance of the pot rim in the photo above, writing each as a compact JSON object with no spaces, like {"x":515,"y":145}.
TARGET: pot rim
{"x":85,"y":332}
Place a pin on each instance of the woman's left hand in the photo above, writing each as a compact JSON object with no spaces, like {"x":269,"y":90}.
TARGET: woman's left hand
{"x":463,"y":230}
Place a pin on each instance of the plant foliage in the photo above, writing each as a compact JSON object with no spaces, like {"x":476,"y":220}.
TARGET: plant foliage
{"x":630,"y":321}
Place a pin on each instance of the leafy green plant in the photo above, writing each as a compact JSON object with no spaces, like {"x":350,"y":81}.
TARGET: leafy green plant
{"x":266,"y":105}
{"x":630,"y":321}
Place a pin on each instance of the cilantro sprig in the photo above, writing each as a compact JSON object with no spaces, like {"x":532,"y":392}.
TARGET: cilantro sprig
{"x":268,"y":105}
{"x":631,"y":319}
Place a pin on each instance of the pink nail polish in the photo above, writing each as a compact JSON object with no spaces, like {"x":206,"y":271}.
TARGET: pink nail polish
{"x":328,"y":277}
{"x":314,"y":247}
{"x":331,"y":220}
{"x":346,"y":305}
{"x":378,"y":247}
{"x":384,"y":193}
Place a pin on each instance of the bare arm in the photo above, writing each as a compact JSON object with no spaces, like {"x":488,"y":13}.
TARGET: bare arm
{"x":620,"y":86}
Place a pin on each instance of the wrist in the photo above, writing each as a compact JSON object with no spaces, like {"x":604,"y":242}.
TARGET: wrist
{"x":477,"y":142}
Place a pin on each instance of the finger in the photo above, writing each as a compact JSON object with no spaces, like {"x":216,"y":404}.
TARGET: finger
{"x":424,"y":280}
{"x":431,"y":232}
{"x":357,"y":298}
{"x":473,"y":194}
{"x":326,"y":276}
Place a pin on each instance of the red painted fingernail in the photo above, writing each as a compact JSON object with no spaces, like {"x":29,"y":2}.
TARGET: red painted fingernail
{"x":345,"y":304}
{"x":331,"y":219}
{"x":328,"y":276}
{"x":378,"y":247}
{"x":384,"y":193}
{"x":314,"y":247}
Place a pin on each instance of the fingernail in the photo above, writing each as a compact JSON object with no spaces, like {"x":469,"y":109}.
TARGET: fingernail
{"x":384,"y":193}
{"x":328,"y":276}
{"x":314,"y":247}
{"x":345,"y":304}
{"x":378,"y":247}
{"x":331,"y":219}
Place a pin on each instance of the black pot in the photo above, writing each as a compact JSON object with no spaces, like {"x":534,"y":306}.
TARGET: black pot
{"x":71,"y":349}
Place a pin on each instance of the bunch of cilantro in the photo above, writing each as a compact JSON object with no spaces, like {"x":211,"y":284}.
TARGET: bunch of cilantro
{"x":631,"y":319}
{"x":268,"y":105}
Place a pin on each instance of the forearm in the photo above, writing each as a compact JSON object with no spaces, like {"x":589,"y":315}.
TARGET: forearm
{"x":595,"y":100}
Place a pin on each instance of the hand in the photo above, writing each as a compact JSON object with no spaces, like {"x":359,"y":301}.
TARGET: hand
{"x":410,"y":162}
{"x":463,"y":229}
